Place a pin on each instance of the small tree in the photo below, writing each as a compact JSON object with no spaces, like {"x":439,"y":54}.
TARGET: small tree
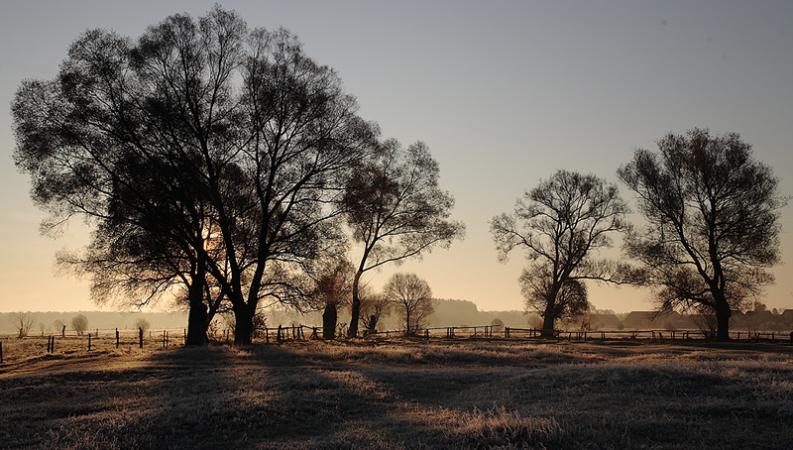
{"x":80,"y":324}
{"x":142,"y":324}
{"x":413,"y":297}
{"x":59,"y":327}
{"x":374,"y":307}
{"x":497,"y":325}
{"x":397,"y":210}
{"x":712,"y":216}
{"x":23,"y":322}
{"x":559,"y":224}
{"x":332,"y":287}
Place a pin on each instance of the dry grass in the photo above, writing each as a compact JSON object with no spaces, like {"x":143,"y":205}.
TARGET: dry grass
{"x":398,"y":394}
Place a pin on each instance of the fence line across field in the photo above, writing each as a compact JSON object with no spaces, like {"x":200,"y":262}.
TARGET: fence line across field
{"x":161,"y":338}
{"x":299,"y":332}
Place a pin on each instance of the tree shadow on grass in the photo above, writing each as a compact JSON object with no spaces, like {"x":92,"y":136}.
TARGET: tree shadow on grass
{"x":265,"y":396}
{"x":288,"y":397}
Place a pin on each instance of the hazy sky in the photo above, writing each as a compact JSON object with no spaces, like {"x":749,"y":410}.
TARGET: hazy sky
{"x":504,"y":93}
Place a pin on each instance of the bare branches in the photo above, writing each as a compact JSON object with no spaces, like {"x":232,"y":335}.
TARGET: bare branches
{"x":712,"y":221}
{"x":412,"y":296}
{"x":396,"y":209}
{"x":559,"y":224}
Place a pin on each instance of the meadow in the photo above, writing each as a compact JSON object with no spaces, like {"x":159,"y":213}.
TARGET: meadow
{"x":404,"y":393}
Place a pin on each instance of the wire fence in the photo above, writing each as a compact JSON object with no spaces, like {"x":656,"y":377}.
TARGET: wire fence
{"x":105,"y":340}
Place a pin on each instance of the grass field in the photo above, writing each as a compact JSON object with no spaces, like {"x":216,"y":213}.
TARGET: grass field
{"x":397,"y":394}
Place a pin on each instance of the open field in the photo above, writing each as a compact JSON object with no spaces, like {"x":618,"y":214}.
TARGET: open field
{"x":400,"y":393}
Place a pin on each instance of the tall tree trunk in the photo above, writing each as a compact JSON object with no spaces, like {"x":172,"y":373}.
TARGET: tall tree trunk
{"x":243,"y":324}
{"x":723,"y":314}
{"x":548,"y":320}
{"x":197,"y":318}
{"x":197,"y":323}
{"x":329,"y":316}
{"x":356,"y":305}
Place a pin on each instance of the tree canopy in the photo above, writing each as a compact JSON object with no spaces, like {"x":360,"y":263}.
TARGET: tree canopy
{"x":712,"y":221}
{"x":396,"y":209}
{"x":559,"y":224}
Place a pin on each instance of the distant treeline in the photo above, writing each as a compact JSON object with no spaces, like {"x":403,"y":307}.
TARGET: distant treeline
{"x":447,"y":312}
{"x":52,"y":321}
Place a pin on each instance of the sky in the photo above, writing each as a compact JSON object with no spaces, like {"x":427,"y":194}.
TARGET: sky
{"x":504,"y":93}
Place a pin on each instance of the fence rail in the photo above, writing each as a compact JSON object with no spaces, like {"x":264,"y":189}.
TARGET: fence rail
{"x":108,"y":339}
{"x":303,"y":332}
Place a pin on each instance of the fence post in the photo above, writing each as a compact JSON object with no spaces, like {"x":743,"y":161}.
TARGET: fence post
{"x":63,"y":331}
{"x":52,"y":346}
{"x":89,"y":342}
{"x":117,"y":339}
{"x":1,"y":350}
{"x":184,"y":333}
{"x":278,"y":336}
{"x":427,"y":334}
{"x":266,"y":335}
{"x":314,"y":334}
{"x":140,"y":337}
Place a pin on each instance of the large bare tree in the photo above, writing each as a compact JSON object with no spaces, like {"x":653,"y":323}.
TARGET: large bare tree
{"x":396,"y":210}
{"x":261,"y":132}
{"x":560,"y":224}
{"x":712,"y":215}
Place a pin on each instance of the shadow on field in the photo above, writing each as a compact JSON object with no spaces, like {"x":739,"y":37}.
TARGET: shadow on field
{"x":203,"y":398}
{"x":332,"y":406}
{"x":328,"y":395}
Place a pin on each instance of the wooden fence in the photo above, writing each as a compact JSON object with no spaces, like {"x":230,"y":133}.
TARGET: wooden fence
{"x":12,"y":347}
{"x":303,"y":332}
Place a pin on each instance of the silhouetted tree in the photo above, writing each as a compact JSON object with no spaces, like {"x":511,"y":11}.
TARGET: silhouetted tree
{"x":333,"y":287}
{"x":59,"y":326}
{"x":412,"y":296}
{"x":79,"y":324}
{"x":712,"y":216}
{"x":241,"y":130}
{"x":23,"y":322}
{"x":396,"y":210}
{"x":374,"y":307}
{"x":559,"y":224}
{"x":142,"y":324}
